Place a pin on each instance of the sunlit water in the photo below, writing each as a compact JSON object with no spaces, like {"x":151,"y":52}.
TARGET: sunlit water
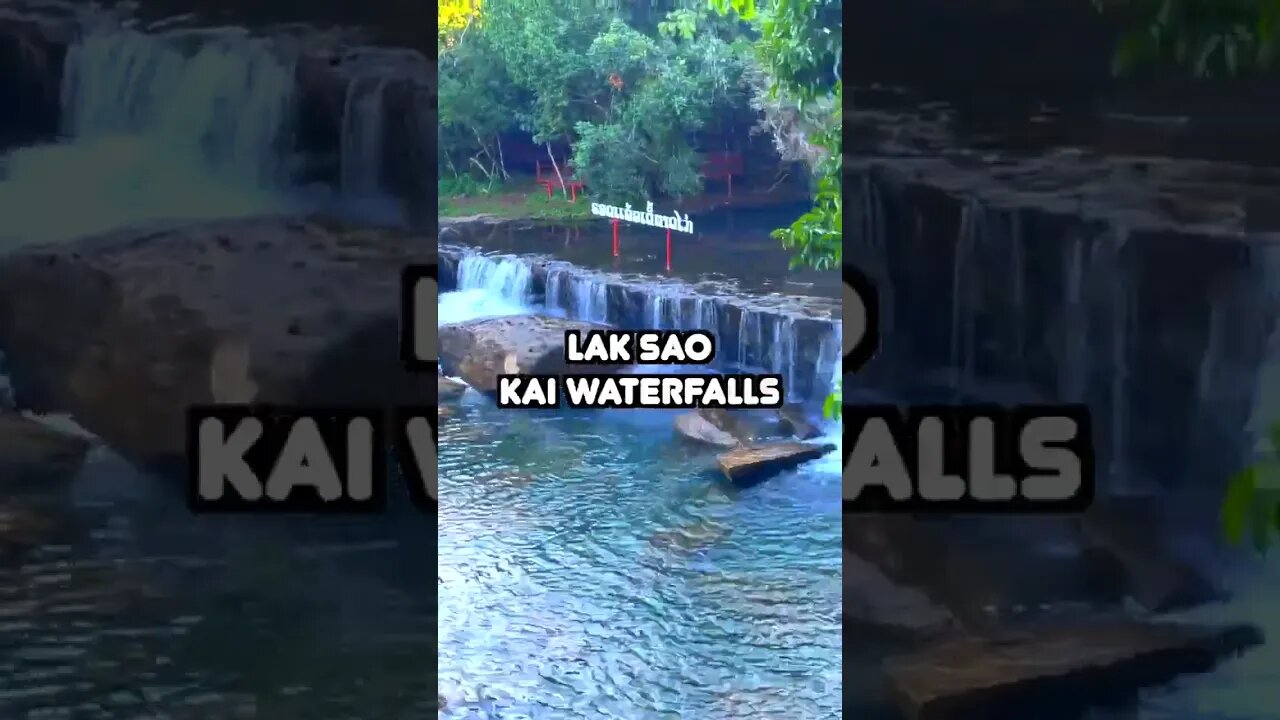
{"x":593,"y":566}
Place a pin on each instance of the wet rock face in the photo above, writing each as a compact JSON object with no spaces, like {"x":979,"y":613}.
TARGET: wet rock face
{"x":1138,"y":288}
{"x":33,"y":40}
{"x":1054,"y":672}
{"x":362,"y":118}
{"x":479,"y":351}
{"x":126,"y":330}
{"x":694,"y":426}
{"x":30,"y":450}
{"x":794,"y":336}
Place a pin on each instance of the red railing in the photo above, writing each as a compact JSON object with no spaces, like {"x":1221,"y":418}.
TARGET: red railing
{"x":722,"y":166}
{"x":546,"y":177}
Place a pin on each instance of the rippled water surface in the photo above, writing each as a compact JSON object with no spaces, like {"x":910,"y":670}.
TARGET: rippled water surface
{"x":116,"y":603}
{"x":592,"y":566}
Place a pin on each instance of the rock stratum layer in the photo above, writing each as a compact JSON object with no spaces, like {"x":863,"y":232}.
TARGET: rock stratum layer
{"x":125,"y":331}
{"x":1143,"y":287}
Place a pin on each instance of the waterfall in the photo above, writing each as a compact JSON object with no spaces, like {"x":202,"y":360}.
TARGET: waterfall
{"x":581,"y":296}
{"x":767,"y":340}
{"x":363,"y":131}
{"x":505,"y":276}
{"x":222,"y":98}
{"x":804,"y":350}
{"x":186,"y":125}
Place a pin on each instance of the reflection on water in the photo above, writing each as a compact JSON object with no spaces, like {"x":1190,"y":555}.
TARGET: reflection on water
{"x":116,"y":604}
{"x":609,"y":576}
{"x":730,"y":246}
{"x":112,"y":182}
{"x":591,"y":566}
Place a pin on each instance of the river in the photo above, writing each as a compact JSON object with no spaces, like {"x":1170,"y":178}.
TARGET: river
{"x":589,"y":566}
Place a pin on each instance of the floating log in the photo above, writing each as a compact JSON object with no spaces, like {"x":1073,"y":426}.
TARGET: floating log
{"x":757,"y":462}
{"x":1055,"y":672}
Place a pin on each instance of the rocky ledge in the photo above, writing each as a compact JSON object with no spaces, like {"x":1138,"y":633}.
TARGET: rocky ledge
{"x":1142,"y":286}
{"x":339,"y":81}
{"x":795,"y":336}
{"x":35,"y":450}
{"x":480,"y":350}
{"x":125,"y":331}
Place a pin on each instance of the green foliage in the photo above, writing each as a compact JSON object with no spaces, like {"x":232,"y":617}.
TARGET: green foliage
{"x":519,"y":199}
{"x":800,"y":48}
{"x":832,"y":405}
{"x":1252,"y":504}
{"x":1207,"y":38}
{"x":627,"y":94}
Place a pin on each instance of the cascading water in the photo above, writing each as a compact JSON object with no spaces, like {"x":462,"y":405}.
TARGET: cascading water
{"x":579,"y":296}
{"x":488,"y":286}
{"x":363,"y":130}
{"x":505,"y":276}
{"x":597,"y":475}
{"x":767,"y":340}
{"x":174,"y":126}
{"x":222,"y":98}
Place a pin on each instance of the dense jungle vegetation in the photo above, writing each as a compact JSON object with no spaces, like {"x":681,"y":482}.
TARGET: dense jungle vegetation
{"x":635,"y":90}
{"x":638,"y":91}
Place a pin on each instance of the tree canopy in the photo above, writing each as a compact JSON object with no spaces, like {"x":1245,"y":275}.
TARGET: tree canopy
{"x":634,"y":89}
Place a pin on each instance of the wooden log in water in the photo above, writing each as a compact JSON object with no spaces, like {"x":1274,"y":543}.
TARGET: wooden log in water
{"x":758,"y":462}
{"x":1055,"y":672}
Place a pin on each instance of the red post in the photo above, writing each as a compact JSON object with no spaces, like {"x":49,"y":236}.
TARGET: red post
{"x":614,"y":221}
{"x":668,"y":249}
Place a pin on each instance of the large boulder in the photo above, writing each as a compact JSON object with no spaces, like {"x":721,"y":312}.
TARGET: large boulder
{"x":30,"y":449}
{"x":124,"y":331}
{"x":877,"y":607}
{"x":1136,"y":537}
{"x":696,"y":427}
{"x":727,"y":428}
{"x":33,"y":42}
{"x":478,"y":351}
{"x":987,"y":579}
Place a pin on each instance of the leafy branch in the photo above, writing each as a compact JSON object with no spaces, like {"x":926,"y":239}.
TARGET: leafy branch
{"x":1208,"y":38}
{"x":1252,"y":504}
{"x":800,"y":48}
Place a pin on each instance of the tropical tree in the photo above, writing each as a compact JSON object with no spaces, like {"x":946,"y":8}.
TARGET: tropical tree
{"x":455,"y":17}
{"x":799,"y":53}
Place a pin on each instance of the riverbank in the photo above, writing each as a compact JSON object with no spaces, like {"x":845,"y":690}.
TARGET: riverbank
{"x":527,"y":200}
